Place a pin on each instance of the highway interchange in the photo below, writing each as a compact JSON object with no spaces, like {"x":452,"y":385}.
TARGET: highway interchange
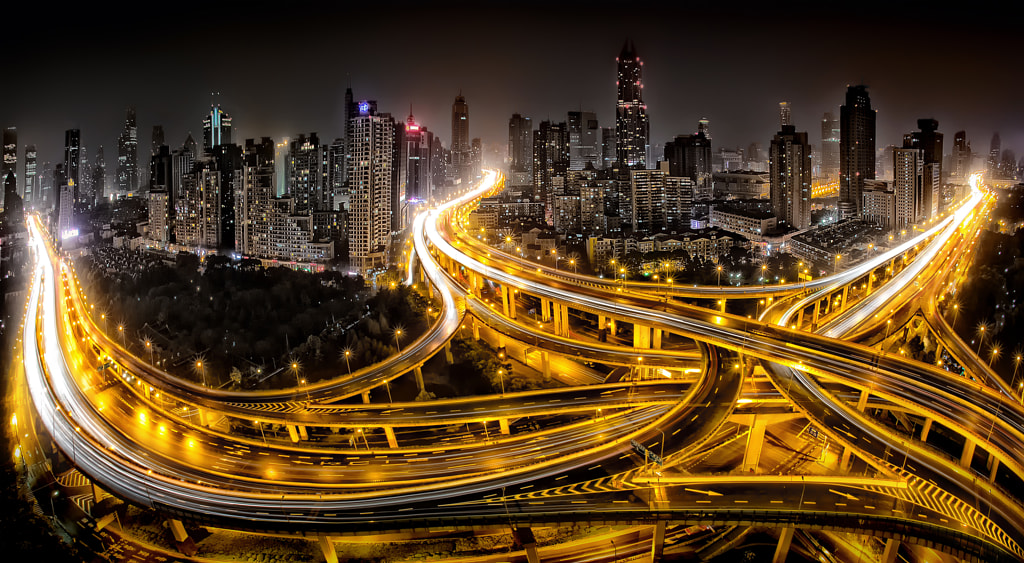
{"x":121,"y":425}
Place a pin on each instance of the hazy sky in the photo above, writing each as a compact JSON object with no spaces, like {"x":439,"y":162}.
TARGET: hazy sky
{"x":281,"y":68}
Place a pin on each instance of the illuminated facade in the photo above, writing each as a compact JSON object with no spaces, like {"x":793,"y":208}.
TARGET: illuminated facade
{"x":856,"y":149}
{"x":371,"y":175}
{"x":216,"y":128}
{"x":631,"y":127}
{"x":790,"y":177}
{"x":128,"y":155}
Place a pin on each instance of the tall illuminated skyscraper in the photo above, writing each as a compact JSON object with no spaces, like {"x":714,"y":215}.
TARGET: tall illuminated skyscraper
{"x":790,"y":177}
{"x":829,"y":147}
{"x":216,"y":129}
{"x":785,"y":114}
{"x":520,"y":150}
{"x":31,"y":175}
{"x":72,"y":162}
{"x":631,"y":127}
{"x":128,"y":155}
{"x":371,"y":176}
{"x":462,"y":154}
{"x":10,"y":165}
{"x":856,"y":149}
{"x":584,"y":140}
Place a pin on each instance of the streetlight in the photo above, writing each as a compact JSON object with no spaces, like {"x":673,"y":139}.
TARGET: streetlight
{"x":572,"y":262}
{"x":260,"y":424}
{"x":501,"y":378}
{"x":398,"y":332}
{"x":719,"y":268}
{"x":202,"y":371}
{"x":993,"y":354}
{"x":149,"y":346}
{"x":981,"y":337}
{"x":295,"y":370}
{"x":836,"y":267}
{"x":120,"y":329}
{"x":347,"y":354}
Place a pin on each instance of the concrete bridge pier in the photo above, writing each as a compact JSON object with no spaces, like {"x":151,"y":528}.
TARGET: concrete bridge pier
{"x":993,"y":467}
{"x":892,"y":548}
{"x":508,"y":301}
{"x":177,"y":530}
{"x":658,"y":541}
{"x":926,"y":429}
{"x":418,"y":371}
{"x":545,"y":309}
{"x":448,"y":353}
{"x":968,"y":455}
{"x":782,"y":549}
{"x":392,"y":439}
{"x":545,"y":363}
{"x":327,"y":546}
{"x":503,"y":424}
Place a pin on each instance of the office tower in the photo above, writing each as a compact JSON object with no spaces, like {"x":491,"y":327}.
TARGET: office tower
{"x":856,"y":149}
{"x":461,"y":150}
{"x":10,"y":165}
{"x":439,"y":168}
{"x":157,"y":139}
{"x":31,"y":190}
{"x":929,"y":140}
{"x":790,"y":177}
{"x":216,"y":128}
{"x":160,"y":198}
{"x":197,"y":221}
{"x":584,"y":140}
{"x":160,"y":170}
{"x":371,"y":178}
{"x":962,"y":157}
{"x":70,"y":172}
{"x":520,"y":150}
{"x":46,"y":197}
{"x":334,"y":166}
{"x":631,"y":127}
{"x":659,"y":200}
{"x":995,"y":147}
{"x":252,"y":200}
{"x":829,"y":148}
{"x":785,"y":115}
{"x":1008,"y":165}
{"x":689,"y":156}
{"x":908,"y":169}
{"x":228,"y":157}
{"x":65,"y":200}
{"x":607,"y":148}
{"x":128,"y":155}
{"x":550,"y":161}
{"x":477,"y":155}
{"x":704,"y":127}
{"x":304,"y":173}
{"x":14,"y":212}
{"x":99,"y":174}
{"x":416,"y":173}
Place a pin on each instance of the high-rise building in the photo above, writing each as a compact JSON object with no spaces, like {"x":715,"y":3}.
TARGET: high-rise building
{"x":962,"y":157}
{"x":790,"y":177}
{"x":416,"y":173}
{"x":304,"y":176}
{"x":908,"y":169}
{"x":689,"y":156}
{"x":520,"y":150}
{"x":785,"y":115}
{"x":371,"y":181}
{"x":252,"y":201}
{"x":584,"y":140}
{"x":128,"y":155}
{"x":632,"y":131}
{"x":550,"y":163}
{"x":31,"y":190}
{"x":99,"y":174}
{"x":157,"y":140}
{"x":10,"y":165}
{"x":70,"y":173}
{"x":461,"y":149}
{"x":830,"y":135}
{"x":704,"y":127}
{"x":929,"y":140}
{"x":660,"y":201}
{"x":197,"y":221}
{"x":994,"y":151}
{"x":856,"y":149}
{"x":607,"y":148}
{"x":216,"y":128}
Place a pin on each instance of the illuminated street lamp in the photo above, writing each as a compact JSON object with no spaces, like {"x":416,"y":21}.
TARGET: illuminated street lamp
{"x":836,"y":267}
{"x":719,"y":268}
{"x":981,"y":336}
{"x":348,"y":353}
{"x":202,"y":371}
{"x":501,"y":378}
{"x":149,"y":346}
{"x":120,"y":328}
{"x":398,"y":333}
{"x":993,"y":354}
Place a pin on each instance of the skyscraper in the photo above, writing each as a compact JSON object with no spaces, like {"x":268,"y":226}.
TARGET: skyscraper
{"x":994,"y":151}
{"x":632,"y":130}
{"x":607,"y":147}
{"x":908,"y":165}
{"x":99,"y":174}
{"x":790,"y":177}
{"x":10,"y":165}
{"x":584,"y":140}
{"x":830,"y":147}
{"x":371,"y":178}
{"x":72,"y":162}
{"x":856,"y":149}
{"x":31,"y":175}
{"x":416,"y":173}
{"x":157,"y":140}
{"x":785,"y":115}
{"x":689,"y":156}
{"x":128,"y":155}
{"x":929,"y":140}
{"x":462,"y":156}
{"x":520,"y":150}
{"x":216,"y":128}
{"x":304,"y":173}
{"x":550,"y":161}
{"x":961,"y":163}
{"x":253,"y":198}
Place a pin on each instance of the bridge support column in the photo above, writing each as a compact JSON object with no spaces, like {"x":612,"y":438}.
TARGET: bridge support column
{"x":448,"y":353}
{"x":293,"y":433}
{"x":557,"y":314}
{"x":800,"y":318}
{"x":366,"y":397}
{"x":508,"y":301}
{"x":658,"y":540}
{"x":863,"y":401}
{"x":327,"y":546}
{"x":892,"y":547}
{"x":545,"y":309}
{"x":844,"y":462}
{"x":782,"y":549}
{"x":656,"y":338}
{"x":430,"y":289}
{"x":545,"y":363}
{"x":968,"y":455}
{"x":925,"y":429}
{"x":641,"y":336}
{"x":755,"y":441}
{"x":476,"y":329}
{"x":177,"y":530}
{"x":418,"y":372}
{"x":303,"y":433}
{"x":204,"y":418}
{"x":846,"y":293}
{"x":993,"y":467}
{"x":392,"y":439}
{"x":97,"y":493}
{"x":817,"y":313}
{"x":503,"y":424}
{"x":613,"y":327}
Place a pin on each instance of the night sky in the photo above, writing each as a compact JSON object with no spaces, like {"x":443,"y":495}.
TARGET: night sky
{"x":281,"y":68}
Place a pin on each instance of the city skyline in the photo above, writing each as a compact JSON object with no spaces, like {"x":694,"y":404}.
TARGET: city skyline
{"x":721,"y":81}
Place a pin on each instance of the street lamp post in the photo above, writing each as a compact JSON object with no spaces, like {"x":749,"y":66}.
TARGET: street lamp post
{"x":120,"y":328}
{"x":149,"y":346}
{"x":836,"y":267}
{"x":347,"y":354}
{"x":501,"y":378}
{"x":981,"y":338}
{"x":387,"y":386}
{"x":719,"y":268}
{"x":398,"y":332}
{"x":260,"y":424}
{"x":202,"y":371}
